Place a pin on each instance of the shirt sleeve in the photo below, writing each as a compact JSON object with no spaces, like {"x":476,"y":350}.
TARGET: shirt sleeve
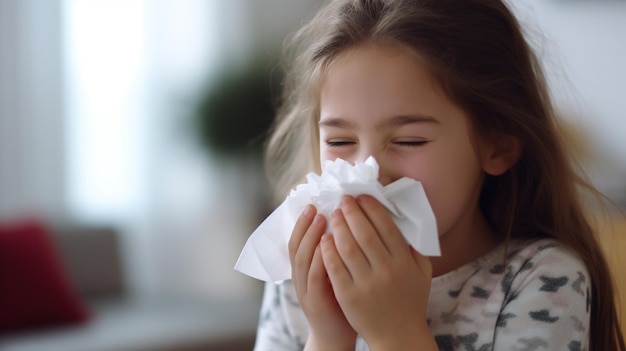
{"x":547,"y":303}
{"x":282,"y":324}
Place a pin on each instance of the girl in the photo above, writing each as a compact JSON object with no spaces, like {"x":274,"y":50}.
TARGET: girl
{"x":446,"y":92}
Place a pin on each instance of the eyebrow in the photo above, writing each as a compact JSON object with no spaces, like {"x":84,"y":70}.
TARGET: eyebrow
{"x":394,"y":122}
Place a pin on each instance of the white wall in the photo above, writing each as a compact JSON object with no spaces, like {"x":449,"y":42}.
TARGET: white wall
{"x":583,"y":45}
{"x":32,"y":162}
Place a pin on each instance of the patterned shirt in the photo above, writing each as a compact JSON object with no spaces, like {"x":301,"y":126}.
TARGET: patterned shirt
{"x":539,"y":300}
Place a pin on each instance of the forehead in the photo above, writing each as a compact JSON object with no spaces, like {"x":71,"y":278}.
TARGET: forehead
{"x":381,"y":55}
{"x":381,"y":80}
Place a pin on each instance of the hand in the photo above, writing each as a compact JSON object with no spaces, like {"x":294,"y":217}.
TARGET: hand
{"x":329,"y":329}
{"x":380,"y":282}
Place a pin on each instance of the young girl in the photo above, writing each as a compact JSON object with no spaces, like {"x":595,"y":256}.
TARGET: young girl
{"x":449,"y":93}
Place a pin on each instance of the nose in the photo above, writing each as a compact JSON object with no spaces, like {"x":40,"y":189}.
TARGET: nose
{"x":385,"y":175}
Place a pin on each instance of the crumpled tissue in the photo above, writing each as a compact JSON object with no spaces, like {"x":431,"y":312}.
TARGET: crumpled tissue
{"x":265,"y":255}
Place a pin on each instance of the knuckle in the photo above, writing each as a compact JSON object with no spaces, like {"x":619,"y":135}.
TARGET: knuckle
{"x":332,"y":266}
{"x":368,"y":240}
{"x":299,"y":261}
{"x":349,"y":250}
{"x":388,"y":275}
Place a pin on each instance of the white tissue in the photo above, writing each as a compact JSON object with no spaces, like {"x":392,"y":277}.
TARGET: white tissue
{"x":265,"y":255}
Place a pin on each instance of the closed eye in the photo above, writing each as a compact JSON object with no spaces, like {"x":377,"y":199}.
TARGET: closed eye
{"x":339,"y":143}
{"x":411,"y":143}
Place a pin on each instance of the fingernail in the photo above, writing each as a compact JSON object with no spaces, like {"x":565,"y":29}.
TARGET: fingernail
{"x":363,"y":198}
{"x":308,"y":211}
{"x":347,"y":199}
{"x":318,"y":219}
{"x":336,"y":212}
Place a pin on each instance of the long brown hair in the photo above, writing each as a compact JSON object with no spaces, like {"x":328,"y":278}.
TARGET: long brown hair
{"x":477,"y":51}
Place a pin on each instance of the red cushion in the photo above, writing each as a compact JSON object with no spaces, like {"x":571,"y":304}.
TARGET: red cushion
{"x":34,"y":289}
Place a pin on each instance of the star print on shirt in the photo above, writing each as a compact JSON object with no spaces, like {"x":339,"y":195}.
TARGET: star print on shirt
{"x":543,"y":316}
{"x":553,"y":284}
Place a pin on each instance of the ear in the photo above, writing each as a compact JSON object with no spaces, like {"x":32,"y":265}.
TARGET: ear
{"x":500,"y":155}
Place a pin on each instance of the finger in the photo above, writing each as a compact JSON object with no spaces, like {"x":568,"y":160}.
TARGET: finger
{"x":300,"y":228}
{"x":335,"y":268}
{"x":317,"y":273}
{"x":365,"y":234}
{"x":303,"y":256}
{"x":381,"y":220}
{"x":347,"y":247}
{"x":306,"y":250}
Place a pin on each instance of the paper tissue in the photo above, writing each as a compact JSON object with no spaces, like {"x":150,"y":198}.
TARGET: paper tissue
{"x":265,"y":255}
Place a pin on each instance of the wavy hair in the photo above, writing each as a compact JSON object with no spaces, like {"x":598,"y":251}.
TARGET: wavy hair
{"x":477,"y":52}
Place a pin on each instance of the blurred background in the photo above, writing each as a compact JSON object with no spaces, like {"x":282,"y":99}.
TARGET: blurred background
{"x":128,"y":115}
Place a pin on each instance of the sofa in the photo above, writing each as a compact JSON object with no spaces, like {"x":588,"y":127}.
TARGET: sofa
{"x":104,"y":316}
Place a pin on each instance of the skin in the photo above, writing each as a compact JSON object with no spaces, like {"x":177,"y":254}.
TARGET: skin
{"x":381,"y":100}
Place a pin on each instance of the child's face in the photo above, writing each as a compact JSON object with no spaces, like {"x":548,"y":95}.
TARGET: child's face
{"x":382,"y":101}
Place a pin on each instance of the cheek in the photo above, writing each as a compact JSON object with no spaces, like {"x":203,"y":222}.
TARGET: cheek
{"x":452,"y":189}
{"x":328,"y":154}
{"x":429,"y":173}
{"x":323,"y":151}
